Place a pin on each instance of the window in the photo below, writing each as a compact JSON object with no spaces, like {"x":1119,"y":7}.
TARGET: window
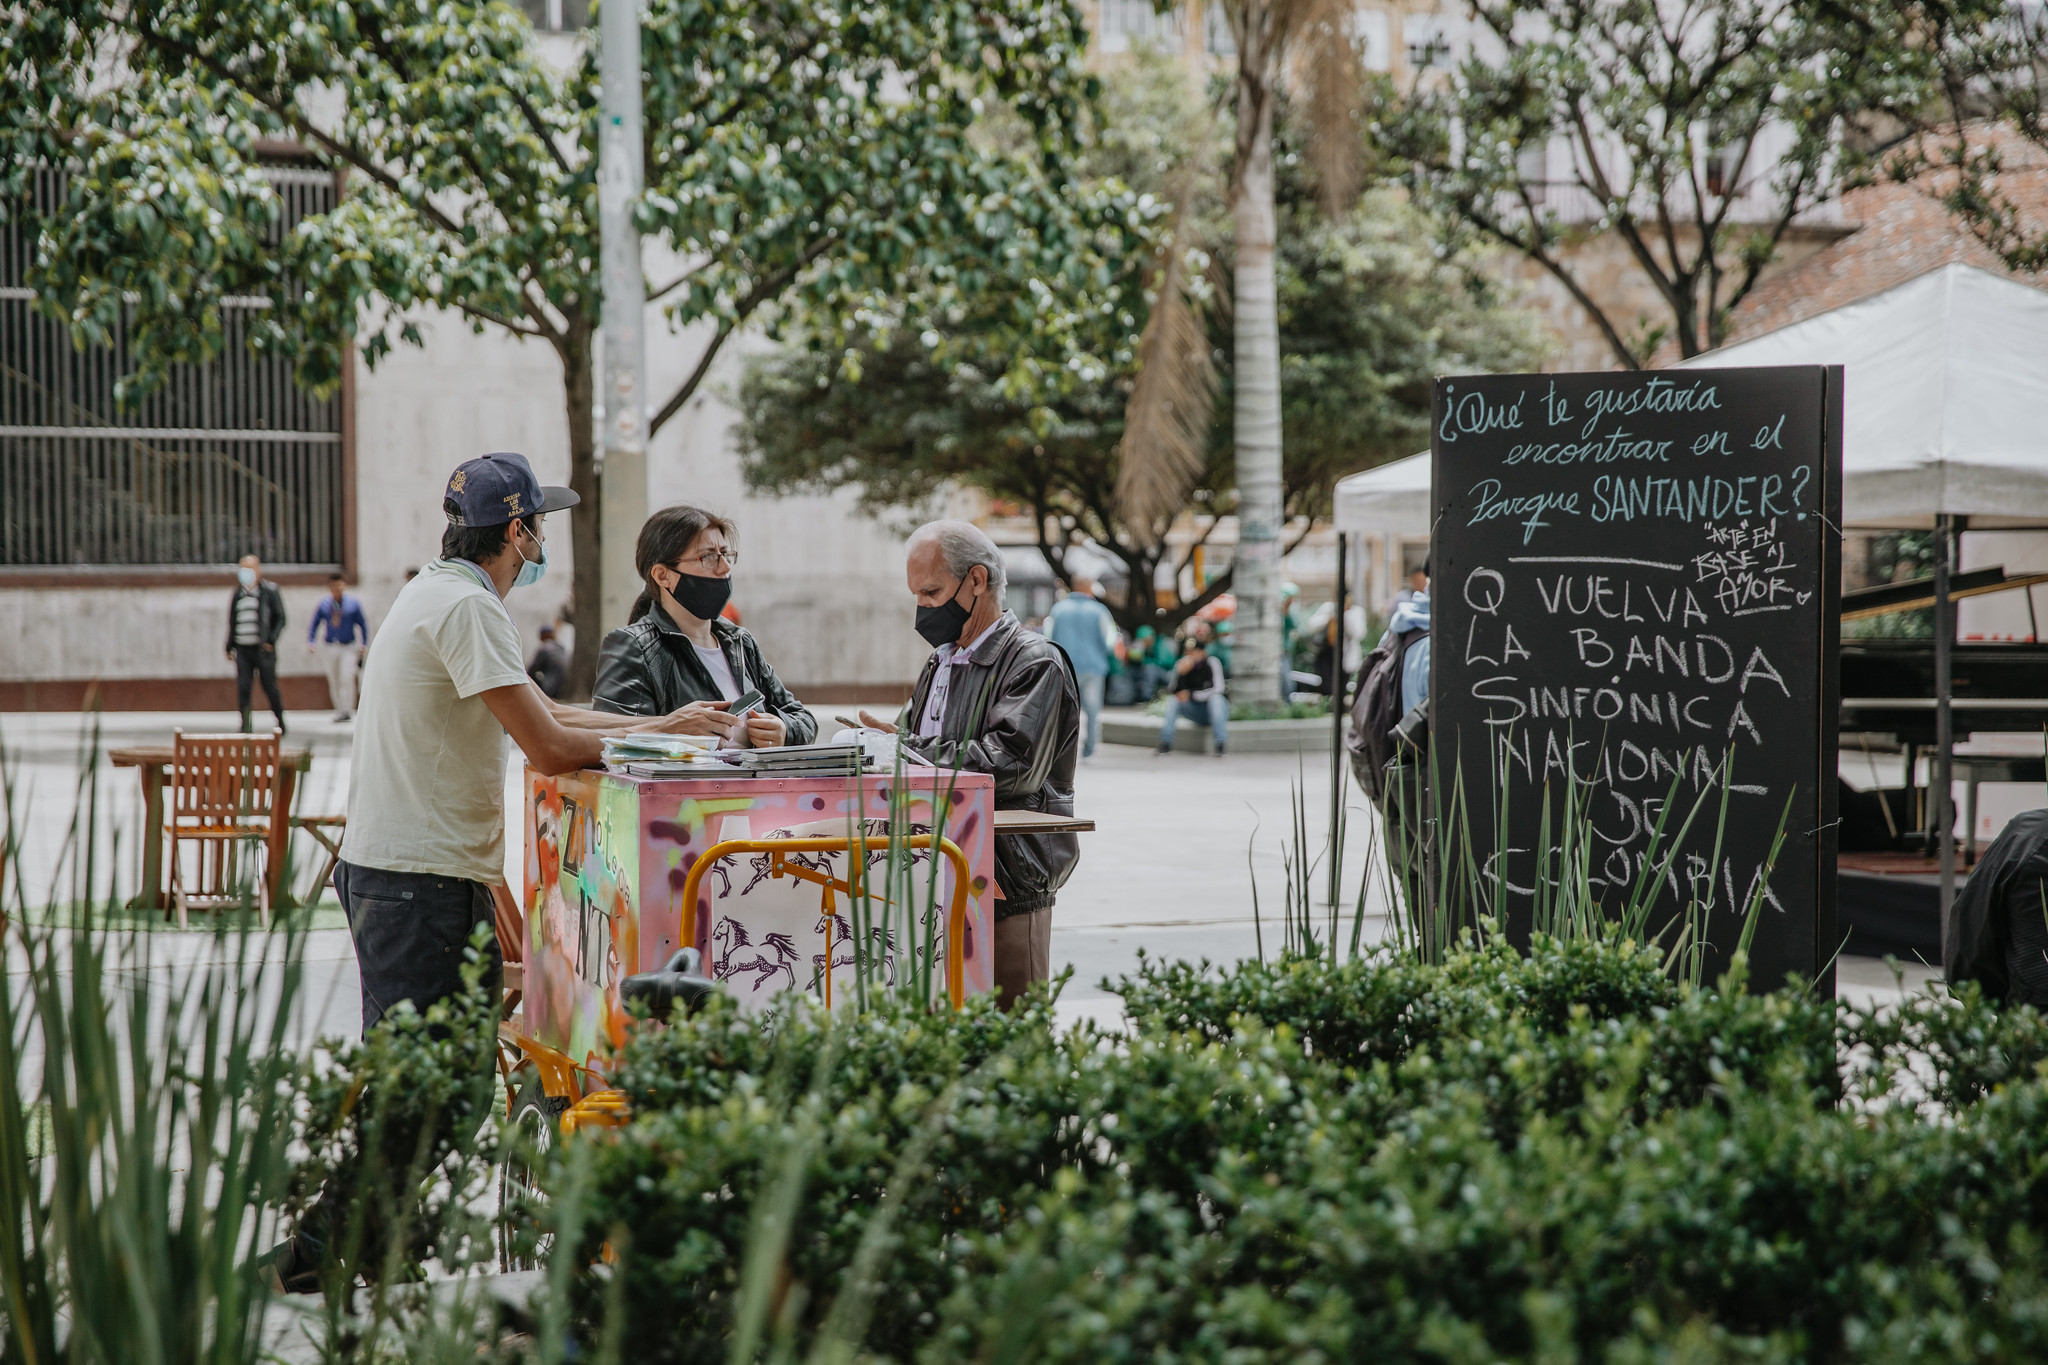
{"x":1532,"y":168}
{"x":226,"y":459}
{"x":1125,"y":24}
{"x":557,"y":16}
{"x":1369,"y":31}
{"x":1426,"y":40}
{"x":1217,"y":39}
{"x":1722,"y":164}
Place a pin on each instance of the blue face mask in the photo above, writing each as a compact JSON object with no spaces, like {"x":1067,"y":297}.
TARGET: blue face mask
{"x":531,"y":570}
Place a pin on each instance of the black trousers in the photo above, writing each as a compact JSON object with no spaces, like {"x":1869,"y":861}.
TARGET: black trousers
{"x":251,"y":662}
{"x":410,"y":930}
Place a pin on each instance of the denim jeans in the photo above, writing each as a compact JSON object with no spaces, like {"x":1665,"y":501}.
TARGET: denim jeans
{"x":1091,"y":711}
{"x":1217,"y":709}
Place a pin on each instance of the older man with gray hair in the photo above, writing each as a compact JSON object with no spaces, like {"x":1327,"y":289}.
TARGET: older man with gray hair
{"x":995,"y":698}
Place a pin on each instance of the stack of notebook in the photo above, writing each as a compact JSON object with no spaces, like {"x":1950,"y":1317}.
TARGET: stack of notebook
{"x":798,"y":760}
{"x":687,"y":755}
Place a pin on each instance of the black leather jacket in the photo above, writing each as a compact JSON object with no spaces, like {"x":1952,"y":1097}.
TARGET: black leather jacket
{"x":1995,"y":934}
{"x":650,"y":668}
{"x":269,"y":613}
{"x":1021,"y":689}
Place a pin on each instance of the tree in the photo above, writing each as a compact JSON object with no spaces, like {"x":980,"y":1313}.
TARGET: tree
{"x":1994,"y":71}
{"x":796,"y":151}
{"x":1367,"y":314}
{"x":1316,"y":33}
{"x":1697,"y":133}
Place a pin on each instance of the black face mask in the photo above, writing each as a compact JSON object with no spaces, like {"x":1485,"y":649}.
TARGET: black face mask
{"x":941,"y":625}
{"x":703,"y":598}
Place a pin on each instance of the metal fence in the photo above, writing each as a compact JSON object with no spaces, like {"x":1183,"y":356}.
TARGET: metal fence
{"x":224,"y":459}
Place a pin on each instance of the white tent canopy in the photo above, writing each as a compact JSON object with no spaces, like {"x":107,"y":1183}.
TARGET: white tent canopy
{"x":1390,"y":500}
{"x":1946,"y":404}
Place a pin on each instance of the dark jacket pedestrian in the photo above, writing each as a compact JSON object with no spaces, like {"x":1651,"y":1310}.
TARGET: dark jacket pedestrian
{"x":549,"y":667}
{"x":1014,"y":712}
{"x":1997,"y":933}
{"x":255,"y":621}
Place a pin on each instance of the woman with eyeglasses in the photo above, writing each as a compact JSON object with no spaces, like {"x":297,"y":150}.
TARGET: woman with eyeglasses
{"x":677,"y":650}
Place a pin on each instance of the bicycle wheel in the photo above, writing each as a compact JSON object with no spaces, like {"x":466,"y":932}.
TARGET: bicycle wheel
{"x":535,"y":1128}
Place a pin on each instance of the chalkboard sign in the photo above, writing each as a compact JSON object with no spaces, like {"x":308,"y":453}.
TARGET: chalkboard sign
{"x":1637,"y":583}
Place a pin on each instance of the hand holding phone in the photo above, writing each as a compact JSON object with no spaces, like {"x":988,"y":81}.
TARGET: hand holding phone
{"x":745,"y":704}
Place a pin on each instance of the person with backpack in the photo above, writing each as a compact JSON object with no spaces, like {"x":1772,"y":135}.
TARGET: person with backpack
{"x":1389,"y":739}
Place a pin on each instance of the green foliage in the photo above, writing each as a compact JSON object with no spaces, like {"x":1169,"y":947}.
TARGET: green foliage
{"x":397,"y":1153}
{"x":137,"y":1152}
{"x":798,"y":154}
{"x":940,"y":396}
{"x":159,"y":1127}
{"x":775,"y":159}
{"x":1499,"y":1157}
{"x":721,"y":1101}
{"x":1570,"y":118}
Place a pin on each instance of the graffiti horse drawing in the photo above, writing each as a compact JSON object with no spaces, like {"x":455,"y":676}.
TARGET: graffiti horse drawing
{"x":733,"y":941}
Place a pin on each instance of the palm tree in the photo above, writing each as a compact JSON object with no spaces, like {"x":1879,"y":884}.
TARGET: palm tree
{"x":1325,"y":76}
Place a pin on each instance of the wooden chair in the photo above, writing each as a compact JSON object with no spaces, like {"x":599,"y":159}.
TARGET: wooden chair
{"x":222,"y":794}
{"x":327,"y":831}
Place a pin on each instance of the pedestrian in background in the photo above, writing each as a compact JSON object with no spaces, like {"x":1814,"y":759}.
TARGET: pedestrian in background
{"x":549,"y":666}
{"x":1198,"y":694}
{"x":1082,"y":626}
{"x":339,"y":635}
{"x":1418,"y":585}
{"x":255,"y":620}
{"x":1156,"y":656}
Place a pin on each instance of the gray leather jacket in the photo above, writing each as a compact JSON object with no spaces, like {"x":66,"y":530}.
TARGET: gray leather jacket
{"x":650,"y":668}
{"x":1014,"y":712}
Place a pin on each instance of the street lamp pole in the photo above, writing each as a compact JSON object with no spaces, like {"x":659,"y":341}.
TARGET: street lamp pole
{"x":622,"y":444}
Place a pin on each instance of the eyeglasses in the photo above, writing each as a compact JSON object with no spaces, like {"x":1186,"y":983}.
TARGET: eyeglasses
{"x":711,"y":561}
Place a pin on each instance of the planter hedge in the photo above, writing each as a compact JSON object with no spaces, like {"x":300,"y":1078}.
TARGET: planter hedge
{"x":1558,"y":1157}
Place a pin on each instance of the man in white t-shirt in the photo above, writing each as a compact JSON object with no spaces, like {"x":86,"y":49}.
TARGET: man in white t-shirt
{"x":444,"y":685}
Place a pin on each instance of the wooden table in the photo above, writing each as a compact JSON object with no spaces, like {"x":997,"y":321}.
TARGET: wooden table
{"x":155,"y":760}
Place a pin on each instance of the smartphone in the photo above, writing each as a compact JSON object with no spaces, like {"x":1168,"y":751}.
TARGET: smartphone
{"x":746,"y":704}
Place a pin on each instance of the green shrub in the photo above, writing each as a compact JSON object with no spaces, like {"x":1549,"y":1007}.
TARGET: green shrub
{"x":1563,"y":1156}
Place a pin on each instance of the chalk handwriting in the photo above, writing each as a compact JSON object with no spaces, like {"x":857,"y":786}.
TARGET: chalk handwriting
{"x":1532,"y":507}
{"x":1470,"y":414}
{"x":1652,"y":396}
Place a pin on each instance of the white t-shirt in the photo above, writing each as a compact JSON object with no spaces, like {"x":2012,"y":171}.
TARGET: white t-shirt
{"x":427,"y":783}
{"x":720,"y":670}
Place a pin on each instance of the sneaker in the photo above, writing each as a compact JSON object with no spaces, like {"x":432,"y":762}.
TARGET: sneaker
{"x":342,"y":718}
{"x":1219,"y":751}
{"x":1162,"y":751}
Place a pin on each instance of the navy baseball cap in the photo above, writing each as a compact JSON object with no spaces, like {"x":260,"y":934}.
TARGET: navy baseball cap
{"x":493,"y":489}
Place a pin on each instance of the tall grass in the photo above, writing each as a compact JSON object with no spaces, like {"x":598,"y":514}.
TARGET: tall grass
{"x":147,"y":1109}
{"x":1444,"y":868}
{"x":160,"y":1123}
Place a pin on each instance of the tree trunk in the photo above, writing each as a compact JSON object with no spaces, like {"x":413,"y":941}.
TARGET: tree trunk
{"x":585,"y":527}
{"x":1256,"y":662}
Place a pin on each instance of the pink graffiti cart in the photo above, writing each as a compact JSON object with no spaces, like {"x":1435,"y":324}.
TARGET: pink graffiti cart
{"x":758,"y":874}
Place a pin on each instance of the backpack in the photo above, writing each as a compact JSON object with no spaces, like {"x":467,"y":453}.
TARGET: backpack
{"x":1377,"y":711}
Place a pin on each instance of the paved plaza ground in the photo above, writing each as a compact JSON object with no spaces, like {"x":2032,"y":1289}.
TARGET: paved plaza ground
{"x":1169,"y":871}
